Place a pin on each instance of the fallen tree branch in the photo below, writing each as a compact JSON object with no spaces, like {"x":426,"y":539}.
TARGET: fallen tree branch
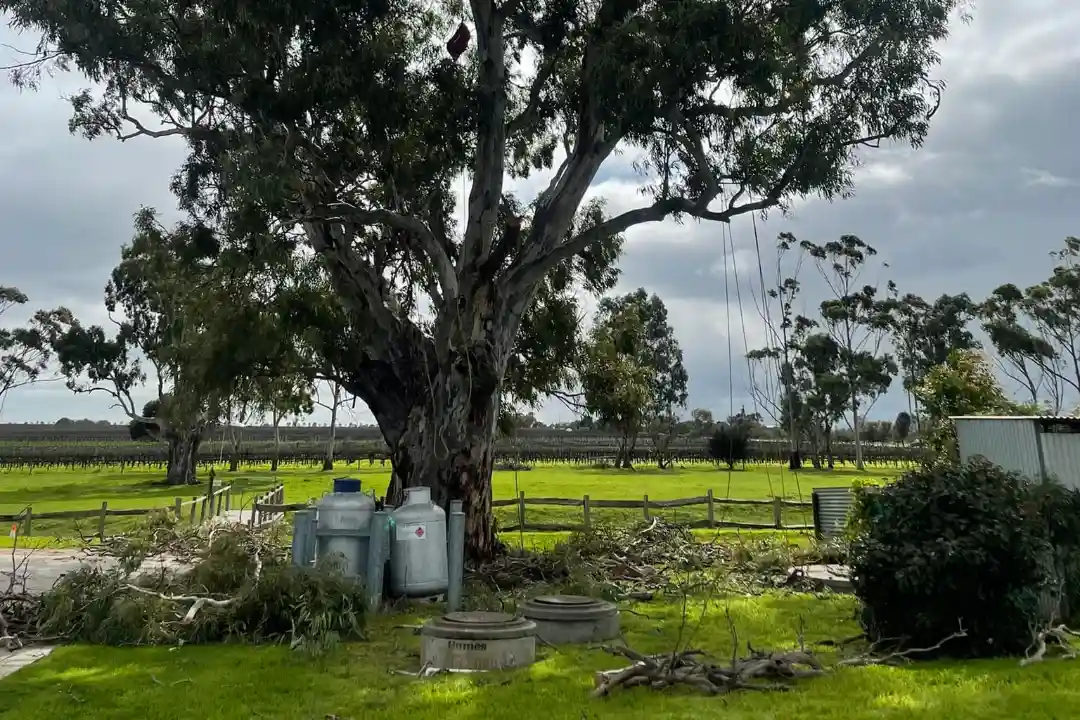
{"x":894,"y":658}
{"x":1061,"y":636}
{"x":197,"y":603}
{"x":761,"y":671}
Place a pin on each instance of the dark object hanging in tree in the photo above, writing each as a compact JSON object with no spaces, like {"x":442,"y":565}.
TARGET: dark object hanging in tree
{"x":459,"y":41}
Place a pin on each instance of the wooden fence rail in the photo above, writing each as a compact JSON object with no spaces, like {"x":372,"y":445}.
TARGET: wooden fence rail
{"x":587,"y":505}
{"x":265,"y":509}
{"x":211,"y":504}
{"x":710,"y":502}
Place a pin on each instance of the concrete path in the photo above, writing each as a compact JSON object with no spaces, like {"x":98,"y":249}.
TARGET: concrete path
{"x":834,"y":577}
{"x":13,"y":661}
{"x":45,"y":567}
{"x":243,"y":517}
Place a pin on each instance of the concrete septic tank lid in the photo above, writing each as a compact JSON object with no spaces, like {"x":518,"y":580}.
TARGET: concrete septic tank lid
{"x":567,"y":608}
{"x":478,"y":625}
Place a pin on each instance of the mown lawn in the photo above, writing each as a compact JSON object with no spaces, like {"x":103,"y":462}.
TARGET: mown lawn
{"x":237,"y":682}
{"x":59,"y":490}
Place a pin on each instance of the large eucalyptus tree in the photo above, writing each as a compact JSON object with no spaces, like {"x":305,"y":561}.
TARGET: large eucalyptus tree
{"x":350,"y":121}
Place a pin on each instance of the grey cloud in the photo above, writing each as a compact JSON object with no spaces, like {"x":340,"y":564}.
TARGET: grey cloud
{"x":984,"y":202}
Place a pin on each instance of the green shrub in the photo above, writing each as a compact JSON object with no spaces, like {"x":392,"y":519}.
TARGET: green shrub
{"x":971,"y":545}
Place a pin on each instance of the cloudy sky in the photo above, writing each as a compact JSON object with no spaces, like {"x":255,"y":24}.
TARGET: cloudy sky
{"x":992,"y":192}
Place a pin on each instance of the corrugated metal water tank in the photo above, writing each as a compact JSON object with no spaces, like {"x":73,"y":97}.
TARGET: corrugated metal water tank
{"x":418,"y":552}
{"x":831,"y":508}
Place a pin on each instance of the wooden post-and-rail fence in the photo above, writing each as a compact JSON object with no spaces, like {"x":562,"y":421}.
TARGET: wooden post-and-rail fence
{"x":266,"y":508}
{"x":645,"y":505}
{"x":201,"y":508}
{"x":262,"y":508}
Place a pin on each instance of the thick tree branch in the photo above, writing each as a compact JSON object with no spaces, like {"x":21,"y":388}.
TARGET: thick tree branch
{"x":429,"y":244}
{"x":489,"y":165}
{"x":353,"y":277}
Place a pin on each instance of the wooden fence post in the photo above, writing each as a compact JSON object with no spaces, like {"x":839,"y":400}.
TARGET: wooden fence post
{"x":778,"y":513}
{"x":208,"y":500}
{"x":28,"y":522}
{"x":645,"y":508}
{"x":228,"y":498}
{"x":101,"y":519}
{"x":194,"y":508}
{"x":521,"y":510}
{"x":585,"y":511}
{"x":178,"y":508}
{"x":711,"y":510}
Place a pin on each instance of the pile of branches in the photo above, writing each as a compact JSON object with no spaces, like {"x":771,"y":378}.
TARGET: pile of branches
{"x":759,"y":671}
{"x":637,"y":561}
{"x":19,"y":610}
{"x":170,"y":584}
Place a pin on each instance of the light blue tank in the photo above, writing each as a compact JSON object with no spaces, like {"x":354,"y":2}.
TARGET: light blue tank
{"x":418,"y":559}
{"x":343,"y":525}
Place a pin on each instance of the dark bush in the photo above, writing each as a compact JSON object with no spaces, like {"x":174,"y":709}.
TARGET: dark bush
{"x":971,"y":545}
{"x":729,"y":444}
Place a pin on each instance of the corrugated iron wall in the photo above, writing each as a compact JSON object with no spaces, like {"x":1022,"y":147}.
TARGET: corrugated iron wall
{"x":1061,"y":454}
{"x":1011,"y":443}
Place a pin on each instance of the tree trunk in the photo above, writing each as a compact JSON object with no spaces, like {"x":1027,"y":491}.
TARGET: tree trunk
{"x":183,"y":451}
{"x":448,"y":445}
{"x":828,"y":448}
{"x":856,"y":426}
{"x":817,"y":446}
{"x":277,"y":444}
{"x":628,"y":453}
{"x":328,"y":461}
{"x":234,"y":450}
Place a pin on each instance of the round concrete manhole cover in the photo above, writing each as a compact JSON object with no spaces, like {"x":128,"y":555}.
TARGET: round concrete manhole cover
{"x":479,"y":618}
{"x":564,"y":600}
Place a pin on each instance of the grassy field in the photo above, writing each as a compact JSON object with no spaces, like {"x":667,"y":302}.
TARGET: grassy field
{"x":233,"y":682}
{"x":237,"y":682}
{"x":138,"y":488}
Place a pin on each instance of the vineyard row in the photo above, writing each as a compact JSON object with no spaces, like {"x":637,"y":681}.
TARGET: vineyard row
{"x":45,"y":455}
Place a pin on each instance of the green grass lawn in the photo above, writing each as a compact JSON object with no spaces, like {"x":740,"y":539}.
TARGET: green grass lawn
{"x":58,"y":490}
{"x":237,"y":682}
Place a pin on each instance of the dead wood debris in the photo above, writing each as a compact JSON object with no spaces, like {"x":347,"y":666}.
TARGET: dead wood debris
{"x":637,"y":562}
{"x":760,"y":671}
{"x":1053,"y":640}
{"x":19,"y":610}
{"x":875,"y":656}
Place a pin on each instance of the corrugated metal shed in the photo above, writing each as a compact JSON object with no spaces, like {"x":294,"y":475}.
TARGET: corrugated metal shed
{"x":1037,"y":447}
{"x":1011,"y":442}
{"x":831,"y":508}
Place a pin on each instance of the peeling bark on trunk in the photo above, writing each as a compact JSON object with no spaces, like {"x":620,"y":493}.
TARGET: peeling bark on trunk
{"x":183,"y":451}
{"x":448,"y":445}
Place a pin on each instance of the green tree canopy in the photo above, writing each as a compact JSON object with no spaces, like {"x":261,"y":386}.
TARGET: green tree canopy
{"x":339,"y":130}
{"x":633,"y":376}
